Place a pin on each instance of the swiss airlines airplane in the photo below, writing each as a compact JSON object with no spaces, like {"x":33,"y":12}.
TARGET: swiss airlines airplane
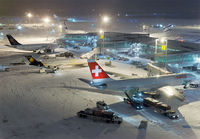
{"x":31,"y":47}
{"x":102,"y":81}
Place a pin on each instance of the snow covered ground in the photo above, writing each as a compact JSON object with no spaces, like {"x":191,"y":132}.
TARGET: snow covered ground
{"x":34,"y":105}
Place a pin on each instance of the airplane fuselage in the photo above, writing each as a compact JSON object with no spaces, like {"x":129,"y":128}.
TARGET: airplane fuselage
{"x":34,"y":47}
{"x":148,"y":83}
{"x":30,"y":47}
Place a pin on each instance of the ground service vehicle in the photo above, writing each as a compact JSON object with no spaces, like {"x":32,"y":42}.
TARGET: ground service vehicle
{"x":154,"y":95}
{"x":65,"y":54}
{"x":102,"y":105}
{"x":49,"y":69}
{"x":134,"y":101}
{"x":160,"y":107}
{"x":102,"y":115}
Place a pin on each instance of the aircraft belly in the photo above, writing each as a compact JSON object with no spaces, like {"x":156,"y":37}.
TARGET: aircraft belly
{"x":32,"y":47}
{"x":20,"y":47}
{"x":25,"y":47}
{"x":143,"y":84}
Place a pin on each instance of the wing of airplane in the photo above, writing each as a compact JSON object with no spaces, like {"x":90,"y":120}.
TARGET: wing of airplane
{"x":62,"y":63}
{"x":33,"y":61}
{"x":44,"y":67}
{"x":78,"y":62}
{"x":89,"y":54}
{"x":72,"y":63}
{"x":171,"y":91}
{"x":122,"y":76}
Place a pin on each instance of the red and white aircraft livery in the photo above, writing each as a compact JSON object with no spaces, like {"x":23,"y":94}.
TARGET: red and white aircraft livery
{"x":102,"y":81}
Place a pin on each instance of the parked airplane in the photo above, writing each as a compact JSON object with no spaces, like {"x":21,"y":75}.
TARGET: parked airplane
{"x":46,"y":47}
{"x":44,"y":68}
{"x":102,"y":81}
{"x":33,"y":61}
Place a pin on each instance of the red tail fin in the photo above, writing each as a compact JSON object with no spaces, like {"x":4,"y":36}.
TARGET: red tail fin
{"x":96,"y":71}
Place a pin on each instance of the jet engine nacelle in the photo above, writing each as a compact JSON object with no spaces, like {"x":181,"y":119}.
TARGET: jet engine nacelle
{"x":101,"y":87}
{"x":92,"y":84}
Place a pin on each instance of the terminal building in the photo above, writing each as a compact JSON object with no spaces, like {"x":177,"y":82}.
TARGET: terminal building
{"x":161,"y":52}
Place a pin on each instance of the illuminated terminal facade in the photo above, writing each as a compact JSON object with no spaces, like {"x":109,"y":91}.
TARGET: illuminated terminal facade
{"x":172,"y":51}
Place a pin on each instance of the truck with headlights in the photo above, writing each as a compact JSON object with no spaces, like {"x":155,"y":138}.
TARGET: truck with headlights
{"x":160,"y":107}
{"x":101,"y":115}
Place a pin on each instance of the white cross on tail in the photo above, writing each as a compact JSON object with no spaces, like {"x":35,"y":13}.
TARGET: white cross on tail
{"x":97,"y":71}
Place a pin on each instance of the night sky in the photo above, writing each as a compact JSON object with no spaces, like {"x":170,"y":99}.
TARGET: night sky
{"x":185,"y":8}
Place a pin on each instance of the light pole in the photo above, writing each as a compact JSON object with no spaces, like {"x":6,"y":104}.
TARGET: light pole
{"x":60,"y":28}
{"x":156,"y":46}
{"x":166,"y":54}
{"x":29,"y":15}
{"x":105,"y":20}
{"x":163,"y":43}
{"x":101,"y":32}
{"x":164,"y":48}
{"x":46,"y":21}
